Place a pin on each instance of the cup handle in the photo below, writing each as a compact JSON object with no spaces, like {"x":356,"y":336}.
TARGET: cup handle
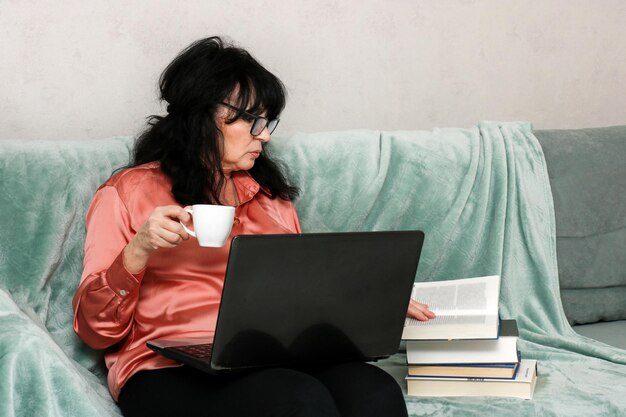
{"x":191,"y":232}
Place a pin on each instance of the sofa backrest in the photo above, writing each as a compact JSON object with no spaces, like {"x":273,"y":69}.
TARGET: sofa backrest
{"x":46,"y":188}
{"x":587,"y":170}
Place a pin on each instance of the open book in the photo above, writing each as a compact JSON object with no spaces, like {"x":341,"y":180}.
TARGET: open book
{"x":466,"y":309}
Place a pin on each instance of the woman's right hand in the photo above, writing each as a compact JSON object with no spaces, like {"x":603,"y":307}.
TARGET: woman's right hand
{"x":162,"y":229}
{"x":419,"y":311}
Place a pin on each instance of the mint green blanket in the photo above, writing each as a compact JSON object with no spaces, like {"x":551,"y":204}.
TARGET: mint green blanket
{"x":481,"y":196}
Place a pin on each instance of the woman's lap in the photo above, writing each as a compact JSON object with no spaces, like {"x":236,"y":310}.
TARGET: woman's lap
{"x":361,"y":389}
{"x":353,"y":389}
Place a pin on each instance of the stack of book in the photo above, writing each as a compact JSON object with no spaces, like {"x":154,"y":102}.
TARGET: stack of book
{"x":466,"y":350}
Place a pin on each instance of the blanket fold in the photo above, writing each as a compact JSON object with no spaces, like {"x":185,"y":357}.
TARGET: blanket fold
{"x":38,"y":378}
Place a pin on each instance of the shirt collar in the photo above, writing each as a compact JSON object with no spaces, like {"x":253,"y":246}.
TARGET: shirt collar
{"x":247,"y":187}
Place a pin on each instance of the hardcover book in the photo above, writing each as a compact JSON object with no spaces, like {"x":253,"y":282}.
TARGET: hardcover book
{"x":522,"y":386}
{"x":502,"y":350}
{"x":470,"y":370}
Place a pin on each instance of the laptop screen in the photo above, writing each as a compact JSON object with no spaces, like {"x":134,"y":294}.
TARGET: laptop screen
{"x":318,"y":297}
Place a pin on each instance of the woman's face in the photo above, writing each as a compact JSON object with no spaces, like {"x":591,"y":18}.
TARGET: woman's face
{"x":241,"y":149}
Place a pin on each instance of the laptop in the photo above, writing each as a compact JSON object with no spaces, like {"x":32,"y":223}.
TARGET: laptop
{"x":297,"y":300}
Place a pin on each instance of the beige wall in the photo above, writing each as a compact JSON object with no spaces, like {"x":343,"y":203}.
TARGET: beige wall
{"x":88,"y":69}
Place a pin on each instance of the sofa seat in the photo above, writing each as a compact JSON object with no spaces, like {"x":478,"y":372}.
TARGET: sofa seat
{"x":610,"y":332}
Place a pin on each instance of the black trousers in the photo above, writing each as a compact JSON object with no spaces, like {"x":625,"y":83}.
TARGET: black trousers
{"x":348,"y":390}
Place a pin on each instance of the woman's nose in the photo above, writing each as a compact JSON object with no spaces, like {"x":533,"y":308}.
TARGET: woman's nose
{"x":264,"y":136}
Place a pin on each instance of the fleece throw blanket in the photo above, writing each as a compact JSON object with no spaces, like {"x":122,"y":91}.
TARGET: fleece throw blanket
{"x":481,"y":195}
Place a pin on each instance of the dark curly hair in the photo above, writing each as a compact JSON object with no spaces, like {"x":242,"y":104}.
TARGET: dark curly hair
{"x":187,"y":141}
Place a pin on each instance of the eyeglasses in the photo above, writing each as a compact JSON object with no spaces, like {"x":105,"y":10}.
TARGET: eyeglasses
{"x":258,"y":123}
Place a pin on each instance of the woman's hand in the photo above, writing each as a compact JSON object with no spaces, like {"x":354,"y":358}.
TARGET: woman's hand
{"x":419,"y":311}
{"x":161,"y":230}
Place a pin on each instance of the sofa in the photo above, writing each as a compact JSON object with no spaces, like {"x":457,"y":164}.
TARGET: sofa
{"x":545,"y":209}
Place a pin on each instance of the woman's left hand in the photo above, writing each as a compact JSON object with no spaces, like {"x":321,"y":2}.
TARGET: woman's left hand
{"x":419,"y":311}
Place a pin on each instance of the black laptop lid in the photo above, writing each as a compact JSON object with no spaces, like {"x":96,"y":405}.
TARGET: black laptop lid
{"x":298,"y":299}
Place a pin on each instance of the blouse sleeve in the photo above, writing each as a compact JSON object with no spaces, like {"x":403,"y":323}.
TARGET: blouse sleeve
{"x":106,"y":298}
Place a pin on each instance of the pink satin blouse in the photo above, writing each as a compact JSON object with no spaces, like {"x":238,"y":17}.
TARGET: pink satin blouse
{"x":178,"y":293}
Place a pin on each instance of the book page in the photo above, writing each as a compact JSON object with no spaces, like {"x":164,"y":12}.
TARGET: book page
{"x":448,"y":319}
{"x":469,"y":296}
{"x":462,"y":306}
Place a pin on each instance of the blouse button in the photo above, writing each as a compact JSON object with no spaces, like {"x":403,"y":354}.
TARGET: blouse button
{"x":123,"y":292}
{"x":236,"y":221}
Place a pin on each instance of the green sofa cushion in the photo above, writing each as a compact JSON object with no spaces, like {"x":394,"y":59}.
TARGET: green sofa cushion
{"x":610,"y":332}
{"x":587,"y":170}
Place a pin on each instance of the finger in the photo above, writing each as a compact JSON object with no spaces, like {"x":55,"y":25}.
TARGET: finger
{"x":155,"y":237}
{"x":420,"y":312}
{"x":175,"y":212}
{"x":161,"y":243}
{"x":430,"y":314}
{"x":172,"y":238}
{"x":423,"y":308}
{"x":417,"y":314}
{"x":172,"y":226}
{"x":170,"y":218}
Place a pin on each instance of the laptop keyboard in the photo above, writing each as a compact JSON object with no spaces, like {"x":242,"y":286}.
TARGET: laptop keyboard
{"x":198,"y":351}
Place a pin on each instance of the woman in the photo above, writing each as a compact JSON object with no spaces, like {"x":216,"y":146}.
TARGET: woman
{"x":144,"y":279}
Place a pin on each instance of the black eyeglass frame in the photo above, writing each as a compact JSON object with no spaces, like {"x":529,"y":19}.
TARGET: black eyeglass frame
{"x":259,"y":123}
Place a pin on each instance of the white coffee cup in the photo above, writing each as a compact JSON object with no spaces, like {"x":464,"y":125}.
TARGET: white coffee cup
{"x":211,"y":223}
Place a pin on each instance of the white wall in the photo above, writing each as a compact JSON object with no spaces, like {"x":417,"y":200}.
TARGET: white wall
{"x":77,"y":69}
